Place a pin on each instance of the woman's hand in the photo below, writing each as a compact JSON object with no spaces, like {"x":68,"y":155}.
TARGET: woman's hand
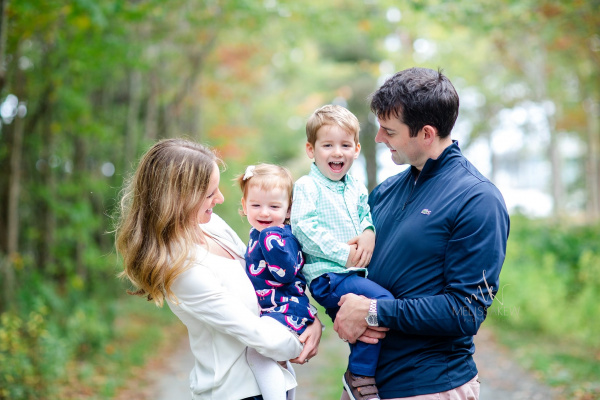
{"x":310,"y":338}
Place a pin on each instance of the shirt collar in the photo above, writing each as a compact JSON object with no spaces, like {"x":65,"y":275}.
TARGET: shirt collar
{"x":316,"y":174}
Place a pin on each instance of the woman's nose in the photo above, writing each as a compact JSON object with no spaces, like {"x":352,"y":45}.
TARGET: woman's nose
{"x":219,"y":198}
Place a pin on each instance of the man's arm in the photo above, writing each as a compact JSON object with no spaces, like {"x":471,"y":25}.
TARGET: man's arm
{"x":474,"y":257}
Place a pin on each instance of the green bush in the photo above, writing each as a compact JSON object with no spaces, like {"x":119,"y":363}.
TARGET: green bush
{"x":30,"y":357}
{"x":550,"y":281}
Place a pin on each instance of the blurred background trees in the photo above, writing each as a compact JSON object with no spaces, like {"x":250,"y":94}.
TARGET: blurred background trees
{"x":86,"y":86}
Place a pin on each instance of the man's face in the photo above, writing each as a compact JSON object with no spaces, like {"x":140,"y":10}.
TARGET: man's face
{"x":396,"y":136}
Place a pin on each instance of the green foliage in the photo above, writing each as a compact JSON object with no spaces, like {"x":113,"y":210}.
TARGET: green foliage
{"x":550,"y":280}
{"x":547,"y":307}
{"x":102,"y":80}
{"x":31,"y":358}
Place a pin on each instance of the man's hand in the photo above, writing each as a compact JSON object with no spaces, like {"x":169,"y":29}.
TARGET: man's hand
{"x":365,"y":243}
{"x":310,"y":338}
{"x":350,"y":320}
{"x":373,"y":334}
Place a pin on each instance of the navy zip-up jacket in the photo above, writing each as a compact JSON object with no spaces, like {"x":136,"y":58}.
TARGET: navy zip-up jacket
{"x":441,"y":241}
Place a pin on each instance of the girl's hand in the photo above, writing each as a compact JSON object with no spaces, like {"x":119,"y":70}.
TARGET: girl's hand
{"x":310,"y":338}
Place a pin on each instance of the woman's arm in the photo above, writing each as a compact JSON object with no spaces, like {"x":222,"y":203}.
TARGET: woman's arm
{"x":201,"y":294}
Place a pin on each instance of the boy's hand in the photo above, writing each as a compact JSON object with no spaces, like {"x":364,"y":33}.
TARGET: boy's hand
{"x":350,"y":262}
{"x":365,"y":243}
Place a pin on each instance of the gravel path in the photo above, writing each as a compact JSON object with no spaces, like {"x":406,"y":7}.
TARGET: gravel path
{"x":501,"y":378}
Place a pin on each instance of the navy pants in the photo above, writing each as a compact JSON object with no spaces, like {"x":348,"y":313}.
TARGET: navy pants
{"x":327,"y":290}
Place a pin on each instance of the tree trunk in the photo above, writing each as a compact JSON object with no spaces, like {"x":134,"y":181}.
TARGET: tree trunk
{"x":14,"y":188}
{"x":12,"y":215}
{"x":133,"y":111}
{"x":557,"y":189}
{"x":151,"y":121}
{"x":3,"y":30}
{"x":79,"y":173}
{"x":369,"y":151}
{"x":46,"y":216}
{"x":593,"y":159}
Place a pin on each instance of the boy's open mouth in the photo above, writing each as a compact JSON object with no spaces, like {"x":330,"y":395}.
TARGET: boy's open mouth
{"x":336,"y":165}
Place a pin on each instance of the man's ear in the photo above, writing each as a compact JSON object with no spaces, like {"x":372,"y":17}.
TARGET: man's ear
{"x":429,"y":134}
{"x":310,"y":150}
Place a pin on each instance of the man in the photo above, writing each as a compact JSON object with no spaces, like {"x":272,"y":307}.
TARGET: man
{"x":441,"y":233}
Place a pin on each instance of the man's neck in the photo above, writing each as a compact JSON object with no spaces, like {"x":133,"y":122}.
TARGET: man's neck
{"x":435,"y":150}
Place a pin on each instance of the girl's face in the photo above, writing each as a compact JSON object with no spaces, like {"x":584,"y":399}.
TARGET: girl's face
{"x":213,"y":197}
{"x":266,"y":208}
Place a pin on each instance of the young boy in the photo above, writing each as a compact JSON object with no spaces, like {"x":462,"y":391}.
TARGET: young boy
{"x":331,"y":219}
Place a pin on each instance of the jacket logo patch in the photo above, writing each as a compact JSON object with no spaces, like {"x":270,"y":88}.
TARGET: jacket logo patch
{"x":425,"y":211}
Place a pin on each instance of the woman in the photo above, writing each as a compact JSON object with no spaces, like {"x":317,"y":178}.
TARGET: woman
{"x":175,"y":249}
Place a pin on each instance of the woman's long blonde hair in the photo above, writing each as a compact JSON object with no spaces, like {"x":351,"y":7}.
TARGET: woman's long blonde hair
{"x":157,"y":225}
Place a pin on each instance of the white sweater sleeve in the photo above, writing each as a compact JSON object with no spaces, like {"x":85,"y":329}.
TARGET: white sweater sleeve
{"x":203,"y":297}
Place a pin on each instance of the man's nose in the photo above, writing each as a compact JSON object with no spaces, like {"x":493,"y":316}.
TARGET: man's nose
{"x":379,"y":135}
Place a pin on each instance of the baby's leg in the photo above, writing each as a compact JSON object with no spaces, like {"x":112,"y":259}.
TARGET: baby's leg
{"x":268,"y":375}
{"x":292,"y":392}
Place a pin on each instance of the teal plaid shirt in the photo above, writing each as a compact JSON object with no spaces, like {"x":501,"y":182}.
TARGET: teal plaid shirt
{"x":325,"y":215}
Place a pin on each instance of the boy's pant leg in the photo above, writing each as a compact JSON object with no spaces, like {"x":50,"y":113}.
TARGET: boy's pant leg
{"x":331,"y":287}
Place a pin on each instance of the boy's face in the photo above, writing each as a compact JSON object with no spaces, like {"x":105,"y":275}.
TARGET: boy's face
{"x":334,"y":151}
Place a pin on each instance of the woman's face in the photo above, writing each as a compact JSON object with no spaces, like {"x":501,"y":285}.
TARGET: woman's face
{"x":213,"y":197}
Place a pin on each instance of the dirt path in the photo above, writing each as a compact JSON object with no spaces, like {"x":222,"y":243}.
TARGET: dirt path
{"x":501,"y":378}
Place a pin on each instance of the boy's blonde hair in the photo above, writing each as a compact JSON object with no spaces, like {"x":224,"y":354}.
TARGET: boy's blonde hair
{"x":157,"y":225}
{"x":266,"y":177}
{"x":331,"y":114}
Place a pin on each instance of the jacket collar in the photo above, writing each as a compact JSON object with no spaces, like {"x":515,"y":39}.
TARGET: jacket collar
{"x":450,"y":155}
